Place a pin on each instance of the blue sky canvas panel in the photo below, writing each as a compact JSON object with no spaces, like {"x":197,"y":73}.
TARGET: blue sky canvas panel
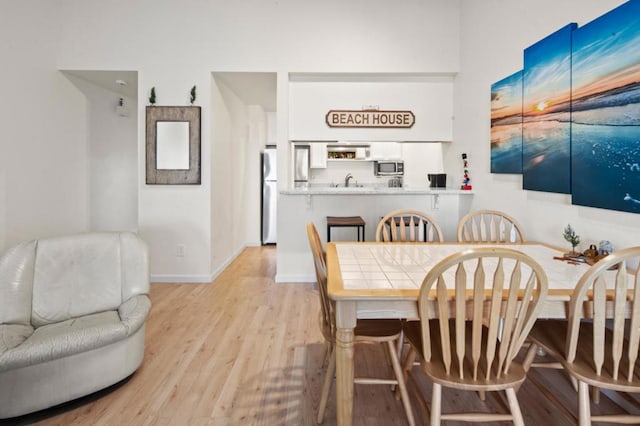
{"x":506,"y":125}
{"x":546,"y":114}
{"x":605,"y":122}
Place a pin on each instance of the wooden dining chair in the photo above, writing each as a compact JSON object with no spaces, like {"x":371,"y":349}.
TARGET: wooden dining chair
{"x":408,"y":225}
{"x":594,"y":350}
{"x":385,"y":331}
{"x":487,"y":299}
{"x":490,"y":226}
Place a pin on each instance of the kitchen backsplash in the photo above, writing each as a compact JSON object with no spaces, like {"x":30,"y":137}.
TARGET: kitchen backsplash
{"x":419,"y":159}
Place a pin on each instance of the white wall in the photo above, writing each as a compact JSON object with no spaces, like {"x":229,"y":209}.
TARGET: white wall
{"x":494,"y":34}
{"x":430,"y":100}
{"x":173,"y":47}
{"x":112,"y":191}
{"x":43,"y":151}
{"x":43,"y":119}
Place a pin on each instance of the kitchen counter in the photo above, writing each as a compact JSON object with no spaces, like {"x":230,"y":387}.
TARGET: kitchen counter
{"x":372,"y":190}
{"x":370,"y":202}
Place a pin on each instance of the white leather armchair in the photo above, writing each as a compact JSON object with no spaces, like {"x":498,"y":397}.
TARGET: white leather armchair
{"x":72,"y":317}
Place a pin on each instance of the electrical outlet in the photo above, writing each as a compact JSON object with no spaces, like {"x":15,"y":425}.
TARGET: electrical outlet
{"x":180,"y":250}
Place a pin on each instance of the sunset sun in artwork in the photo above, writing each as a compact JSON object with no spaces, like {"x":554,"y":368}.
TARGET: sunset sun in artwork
{"x":541,"y":106}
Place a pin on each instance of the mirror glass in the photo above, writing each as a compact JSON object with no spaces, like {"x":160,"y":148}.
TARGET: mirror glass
{"x":172,"y":145}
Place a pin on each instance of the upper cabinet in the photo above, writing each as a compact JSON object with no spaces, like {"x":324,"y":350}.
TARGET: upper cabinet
{"x":429,"y":98}
{"x":386,"y":151}
{"x":318,"y":155}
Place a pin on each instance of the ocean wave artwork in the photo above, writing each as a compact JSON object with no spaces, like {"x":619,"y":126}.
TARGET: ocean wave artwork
{"x":546,"y":113}
{"x":605,"y":119}
{"x":506,"y":124}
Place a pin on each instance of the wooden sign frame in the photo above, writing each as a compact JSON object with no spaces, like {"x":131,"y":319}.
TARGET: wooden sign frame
{"x":370,"y":118}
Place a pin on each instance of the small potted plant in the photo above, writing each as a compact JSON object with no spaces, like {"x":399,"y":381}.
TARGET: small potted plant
{"x":574,"y":239}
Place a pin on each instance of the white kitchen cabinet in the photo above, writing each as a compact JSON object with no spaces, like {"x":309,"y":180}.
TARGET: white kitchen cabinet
{"x":318,"y":154}
{"x":386,"y":151}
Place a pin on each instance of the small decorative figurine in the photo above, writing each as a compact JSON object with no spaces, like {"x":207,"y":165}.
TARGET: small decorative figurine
{"x":605,"y":247}
{"x":570,"y":235}
{"x":591,"y":252}
{"x":152,"y":97}
{"x":465,"y":179}
{"x":193,"y":94}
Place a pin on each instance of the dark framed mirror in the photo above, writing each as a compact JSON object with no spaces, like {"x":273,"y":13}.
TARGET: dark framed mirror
{"x":173,"y":145}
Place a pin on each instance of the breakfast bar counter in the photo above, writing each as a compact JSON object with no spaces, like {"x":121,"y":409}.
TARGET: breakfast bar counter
{"x":371,"y":203}
{"x":372,"y":190}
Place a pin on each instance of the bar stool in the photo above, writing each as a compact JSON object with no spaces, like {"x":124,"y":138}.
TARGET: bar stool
{"x":344,"y":222}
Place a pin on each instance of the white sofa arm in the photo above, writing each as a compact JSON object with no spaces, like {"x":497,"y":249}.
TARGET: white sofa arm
{"x":134,"y":312}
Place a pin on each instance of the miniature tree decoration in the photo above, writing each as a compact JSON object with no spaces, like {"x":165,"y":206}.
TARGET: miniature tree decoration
{"x":570,"y":235}
{"x":193,"y":94}
{"x":152,"y":97}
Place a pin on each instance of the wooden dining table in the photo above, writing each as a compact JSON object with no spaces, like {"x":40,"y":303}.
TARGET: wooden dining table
{"x":382,"y":280}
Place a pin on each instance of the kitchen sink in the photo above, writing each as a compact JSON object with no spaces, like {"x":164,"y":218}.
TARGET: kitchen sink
{"x":339,"y":185}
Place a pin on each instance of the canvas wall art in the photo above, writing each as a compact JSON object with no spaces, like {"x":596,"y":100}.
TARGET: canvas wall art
{"x":605,"y":127}
{"x":506,"y":124}
{"x":546,"y":115}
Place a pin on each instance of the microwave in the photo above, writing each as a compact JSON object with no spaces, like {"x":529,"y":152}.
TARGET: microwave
{"x":388,"y":168}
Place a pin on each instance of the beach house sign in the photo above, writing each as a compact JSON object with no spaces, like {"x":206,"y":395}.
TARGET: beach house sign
{"x":370,"y":118}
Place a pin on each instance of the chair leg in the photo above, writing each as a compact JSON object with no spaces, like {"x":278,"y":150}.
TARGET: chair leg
{"x":574,"y":382}
{"x":400,"y":343}
{"x":402,"y":387}
{"x":528,"y":359}
{"x":436,"y":404}
{"x":584,"y":407}
{"x":328,"y":349}
{"x":408,"y":363}
{"x":514,"y":407}
{"x":326,"y":386}
{"x":399,"y":350}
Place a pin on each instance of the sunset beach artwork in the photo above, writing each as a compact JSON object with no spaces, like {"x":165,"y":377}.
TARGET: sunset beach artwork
{"x":506,"y":125}
{"x":605,"y":122}
{"x":546,"y":113}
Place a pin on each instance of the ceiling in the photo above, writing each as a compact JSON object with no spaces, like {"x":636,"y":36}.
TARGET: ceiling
{"x":109,"y":80}
{"x":253,"y":88}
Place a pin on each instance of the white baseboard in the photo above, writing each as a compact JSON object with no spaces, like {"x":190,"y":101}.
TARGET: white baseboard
{"x":198,"y":279}
{"x":168,"y":278}
{"x":295,"y":278}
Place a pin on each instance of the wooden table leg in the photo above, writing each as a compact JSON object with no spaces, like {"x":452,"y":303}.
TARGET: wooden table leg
{"x":345,"y":322}
{"x":344,"y":376}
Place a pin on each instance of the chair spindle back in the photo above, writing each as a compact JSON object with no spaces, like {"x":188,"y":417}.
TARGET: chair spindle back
{"x":489,"y":226}
{"x":498,"y":304}
{"x":408,"y":226}
{"x":620,"y":274}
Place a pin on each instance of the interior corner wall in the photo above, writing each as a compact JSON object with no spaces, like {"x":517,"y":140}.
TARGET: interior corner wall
{"x":112,"y":159}
{"x":252,"y":176}
{"x":493,"y":36}
{"x":234,"y":176}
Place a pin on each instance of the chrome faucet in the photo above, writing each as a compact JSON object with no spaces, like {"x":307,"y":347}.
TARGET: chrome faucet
{"x":348,"y":177}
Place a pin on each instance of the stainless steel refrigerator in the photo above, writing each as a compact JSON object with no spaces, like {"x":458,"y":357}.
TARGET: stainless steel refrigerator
{"x":301,"y":166}
{"x":269,"y":195}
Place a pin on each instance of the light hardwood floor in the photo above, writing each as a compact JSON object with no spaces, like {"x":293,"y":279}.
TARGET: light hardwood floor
{"x":246,"y":351}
